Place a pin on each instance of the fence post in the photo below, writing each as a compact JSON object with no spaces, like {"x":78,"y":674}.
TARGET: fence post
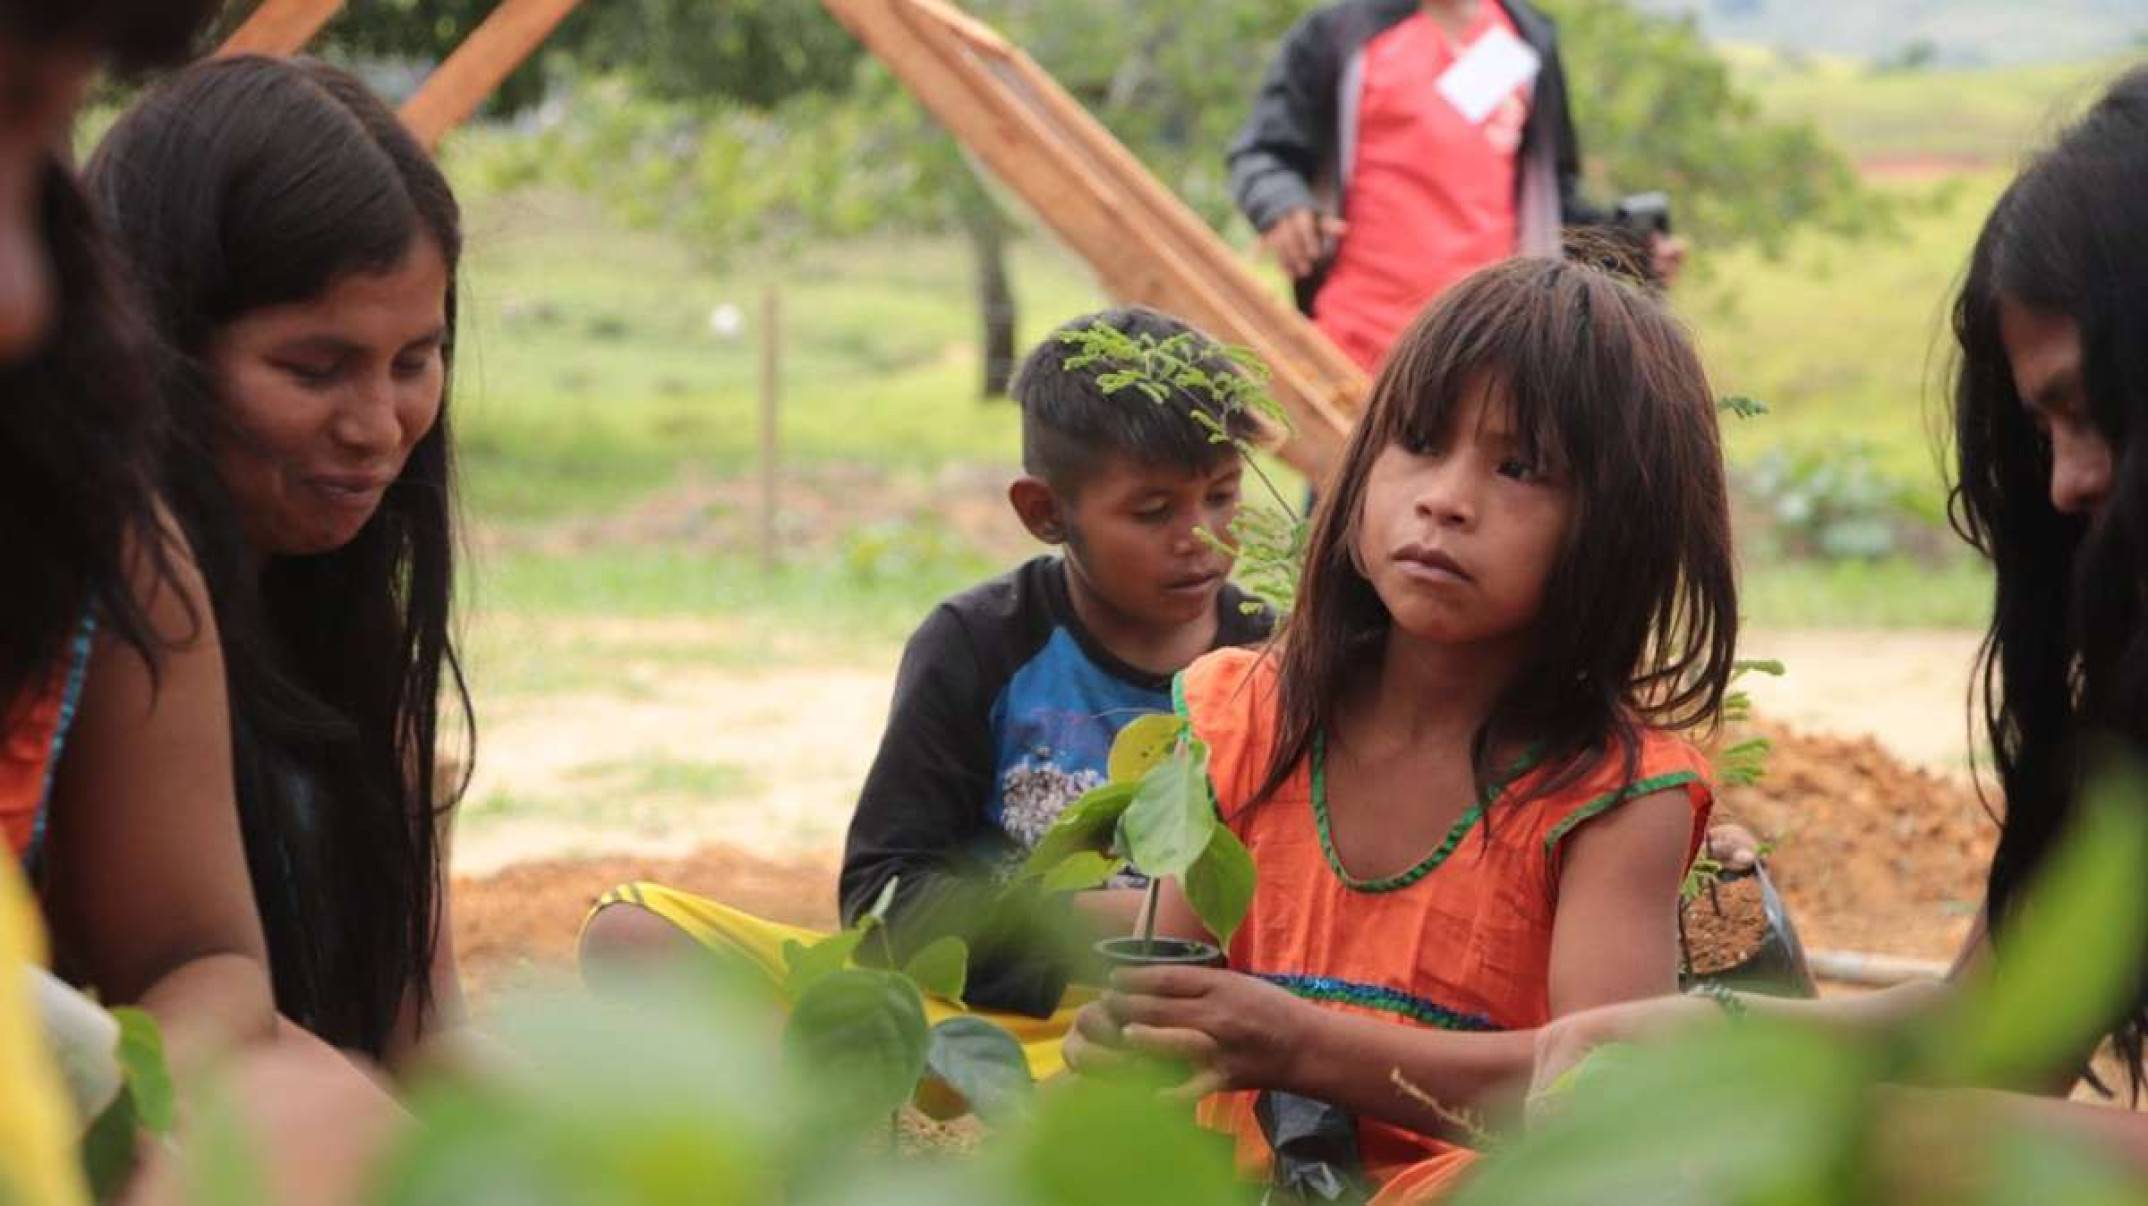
{"x":771,"y":394}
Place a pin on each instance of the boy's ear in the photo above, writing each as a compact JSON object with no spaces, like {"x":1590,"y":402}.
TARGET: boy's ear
{"x":1037,"y":506}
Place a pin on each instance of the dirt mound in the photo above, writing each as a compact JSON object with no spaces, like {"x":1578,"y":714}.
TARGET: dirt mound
{"x":1872,"y":855}
{"x":528,"y":917}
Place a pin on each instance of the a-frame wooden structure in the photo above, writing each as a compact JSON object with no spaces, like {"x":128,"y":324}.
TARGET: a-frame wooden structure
{"x":1143,"y":243}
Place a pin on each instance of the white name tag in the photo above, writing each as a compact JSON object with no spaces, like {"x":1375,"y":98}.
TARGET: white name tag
{"x":1487,"y":73}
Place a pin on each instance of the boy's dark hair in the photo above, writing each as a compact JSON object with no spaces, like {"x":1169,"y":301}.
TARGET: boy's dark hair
{"x":1640,"y":612}
{"x":1071,"y":425}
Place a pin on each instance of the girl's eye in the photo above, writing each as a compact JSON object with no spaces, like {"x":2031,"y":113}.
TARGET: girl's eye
{"x":312,"y":375}
{"x":1519,"y":469}
{"x":1417,"y":443}
{"x":1223,"y":498}
{"x":410,"y":368}
{"x":1152,"y":514}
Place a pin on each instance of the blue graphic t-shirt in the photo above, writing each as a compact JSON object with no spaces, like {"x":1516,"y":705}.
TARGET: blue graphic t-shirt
{"x":1005,"y":709}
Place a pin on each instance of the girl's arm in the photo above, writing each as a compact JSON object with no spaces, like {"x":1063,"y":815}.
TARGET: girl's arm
{"x":1568,"y":1040}
{"x":146,"y":882}
{"x":1612,"y":941}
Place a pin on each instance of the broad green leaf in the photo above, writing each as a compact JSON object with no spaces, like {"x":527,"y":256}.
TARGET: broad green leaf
{"x":1219,"y":885}
{"x":864,"y":1030}
{"x":1142,"y":744}
{"x":1093,"y":1140}
{"x":942,"y":968}
{"x":809,"y":965}
{"x":1086,"y":825}
{"x":2071,"y":960}
{"x":149,"y":1077}
{"x":984,"y":1064}
{"x":1755,"y":1113}
{"x":1081,"y":871}
{"x":1170,"y":820}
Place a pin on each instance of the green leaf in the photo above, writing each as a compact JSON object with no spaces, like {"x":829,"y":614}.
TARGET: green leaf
{"x":1219,"y":885}
{"x":881,"y":904}
{"x":1756,"y":1113}
{"x":1094,"y":1140}
{"x":1142,"y":744}
{"x":942,"y":968}
{"x":1086,"y":825}
{"x":1082,"y":871}
{"x":149,"y":1076}
{"x":809,"y":965}
{"x":2069,"y":961}
{"x":108,"y":1148}
{"x":984,"y":1064}
{"x":1170,"y":820}
{"x":866,"y":1031}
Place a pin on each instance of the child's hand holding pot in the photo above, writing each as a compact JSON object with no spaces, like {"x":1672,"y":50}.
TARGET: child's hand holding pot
{"x":1232,"y":1030}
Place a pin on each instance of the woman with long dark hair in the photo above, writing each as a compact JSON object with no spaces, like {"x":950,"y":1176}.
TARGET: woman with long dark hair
{"x":2051,"y":380}
{"x":114,"y":746}
{"x":297,"y":250}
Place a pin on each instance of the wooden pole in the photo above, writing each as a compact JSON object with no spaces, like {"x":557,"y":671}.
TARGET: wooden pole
{"x":771,"y":397}
{"x":280,"y":27}
{"x":489,"y":55}
{"x":1141,"y":240}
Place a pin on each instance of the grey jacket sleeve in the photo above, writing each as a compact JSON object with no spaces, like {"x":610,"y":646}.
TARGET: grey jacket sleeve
{"x":1289,"y":138}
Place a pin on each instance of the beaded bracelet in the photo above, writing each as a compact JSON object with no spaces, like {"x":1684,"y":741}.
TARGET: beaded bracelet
{"x":1725,"y":999}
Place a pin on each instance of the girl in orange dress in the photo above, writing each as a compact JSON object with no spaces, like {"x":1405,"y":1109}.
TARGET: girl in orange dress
{"x":1457,"y":770}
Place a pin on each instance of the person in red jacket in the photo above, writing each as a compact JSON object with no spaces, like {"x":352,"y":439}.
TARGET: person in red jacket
{"x":1396,"y":146}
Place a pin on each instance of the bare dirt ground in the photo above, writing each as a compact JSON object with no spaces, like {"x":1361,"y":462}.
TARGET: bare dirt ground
{"x":1882,"y":839}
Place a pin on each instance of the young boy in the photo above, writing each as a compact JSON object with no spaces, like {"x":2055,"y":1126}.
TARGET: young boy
{"x":1010,"y":693}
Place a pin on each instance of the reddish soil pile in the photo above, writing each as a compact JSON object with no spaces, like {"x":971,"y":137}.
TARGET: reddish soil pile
{"x":528,"y":917}
{"x":1872,"y":855}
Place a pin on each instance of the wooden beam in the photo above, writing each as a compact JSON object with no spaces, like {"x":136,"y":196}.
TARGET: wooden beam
{"x":280,"y":27}
{"x":488,"y":56}
{"x":1143,"y":243}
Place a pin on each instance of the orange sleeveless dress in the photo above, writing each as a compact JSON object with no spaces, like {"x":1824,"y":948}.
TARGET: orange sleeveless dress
{"x":32,"y":733}
{"x":1461,"y":941}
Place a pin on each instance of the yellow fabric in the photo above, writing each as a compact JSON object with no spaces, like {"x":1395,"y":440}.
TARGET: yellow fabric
{"x":37,"y":1132}
{"x":723,"y":928}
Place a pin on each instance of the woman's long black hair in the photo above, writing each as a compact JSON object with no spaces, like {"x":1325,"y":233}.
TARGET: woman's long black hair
{"x":79,"y":530}
{"x":2066,"y":656}
{"x":253,"y":182}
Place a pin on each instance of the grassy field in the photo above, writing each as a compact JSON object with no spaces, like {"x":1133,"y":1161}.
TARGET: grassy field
{"x":596,"y":399}
{"x":1988,"y":115}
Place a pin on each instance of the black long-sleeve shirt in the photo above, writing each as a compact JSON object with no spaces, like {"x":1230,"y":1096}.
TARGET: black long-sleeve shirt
{"x":1005,"y":709}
